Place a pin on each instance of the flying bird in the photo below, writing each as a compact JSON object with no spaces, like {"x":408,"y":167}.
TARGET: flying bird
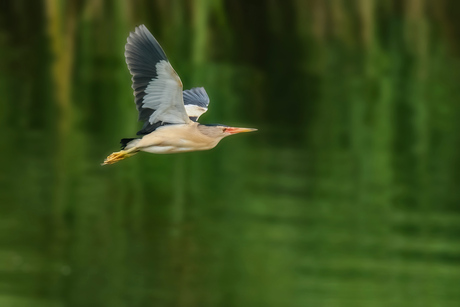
{"x":169,"y":114}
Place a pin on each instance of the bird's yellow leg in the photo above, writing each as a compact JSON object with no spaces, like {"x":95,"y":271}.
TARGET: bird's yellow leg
{"x":119,"y":155}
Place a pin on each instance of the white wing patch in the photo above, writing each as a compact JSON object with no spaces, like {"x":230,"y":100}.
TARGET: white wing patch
{"x":194,"y":110}
{"x":164,"y":95}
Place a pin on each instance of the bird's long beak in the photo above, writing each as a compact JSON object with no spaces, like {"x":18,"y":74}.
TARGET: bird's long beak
{"x":234,"y":130}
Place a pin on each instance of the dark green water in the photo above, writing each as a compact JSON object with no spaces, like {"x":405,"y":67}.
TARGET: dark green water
{"x":346,"y":196}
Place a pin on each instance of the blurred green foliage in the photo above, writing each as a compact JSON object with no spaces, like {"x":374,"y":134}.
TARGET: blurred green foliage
{"x":347,"y":195}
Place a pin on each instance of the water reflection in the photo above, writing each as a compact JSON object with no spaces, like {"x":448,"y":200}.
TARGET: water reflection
{"x":346,"y":196}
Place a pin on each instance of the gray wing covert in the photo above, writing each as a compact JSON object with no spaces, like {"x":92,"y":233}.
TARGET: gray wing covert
{"x":157,"y":87}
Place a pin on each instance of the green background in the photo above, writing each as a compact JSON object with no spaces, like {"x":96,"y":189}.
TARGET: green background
{"x":348,"y":195}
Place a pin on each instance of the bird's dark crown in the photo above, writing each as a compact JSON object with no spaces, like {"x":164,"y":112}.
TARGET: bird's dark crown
{"x":214,"y":125}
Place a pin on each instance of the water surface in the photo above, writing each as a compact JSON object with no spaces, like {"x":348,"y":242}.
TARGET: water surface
{"x":346,"y":196}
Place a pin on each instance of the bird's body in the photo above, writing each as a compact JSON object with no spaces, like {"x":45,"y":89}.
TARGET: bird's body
{"x":176,"y":138}
{"x":170,"y":114}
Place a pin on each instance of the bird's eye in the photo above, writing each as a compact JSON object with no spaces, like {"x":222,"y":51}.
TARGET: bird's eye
{"x":224,"y":129}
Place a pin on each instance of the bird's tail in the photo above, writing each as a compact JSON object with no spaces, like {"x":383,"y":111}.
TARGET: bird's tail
{"x":118,"y":156}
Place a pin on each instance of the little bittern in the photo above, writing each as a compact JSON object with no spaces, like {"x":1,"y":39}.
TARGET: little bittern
{"x":170,"y":114}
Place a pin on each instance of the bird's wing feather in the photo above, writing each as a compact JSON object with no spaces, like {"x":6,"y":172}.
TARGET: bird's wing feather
{"x":196,"y":102}
{"x":157,"y":87}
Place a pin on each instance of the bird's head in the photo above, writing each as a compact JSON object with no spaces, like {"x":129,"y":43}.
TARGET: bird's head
{"x":221,"y":131}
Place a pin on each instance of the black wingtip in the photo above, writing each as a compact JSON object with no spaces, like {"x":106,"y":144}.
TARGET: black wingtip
{"x":125,"y":142}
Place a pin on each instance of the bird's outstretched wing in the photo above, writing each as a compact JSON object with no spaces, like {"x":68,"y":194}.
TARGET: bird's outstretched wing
{"x":157,"y":87}
{"x":196,"y":102}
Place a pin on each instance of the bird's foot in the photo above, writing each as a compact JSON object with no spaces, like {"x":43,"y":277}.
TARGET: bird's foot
{"x":116,"y":156}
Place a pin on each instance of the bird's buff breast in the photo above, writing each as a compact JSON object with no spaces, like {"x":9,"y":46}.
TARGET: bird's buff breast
{"x":183,"y":139}
{"x":171,"y":149}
